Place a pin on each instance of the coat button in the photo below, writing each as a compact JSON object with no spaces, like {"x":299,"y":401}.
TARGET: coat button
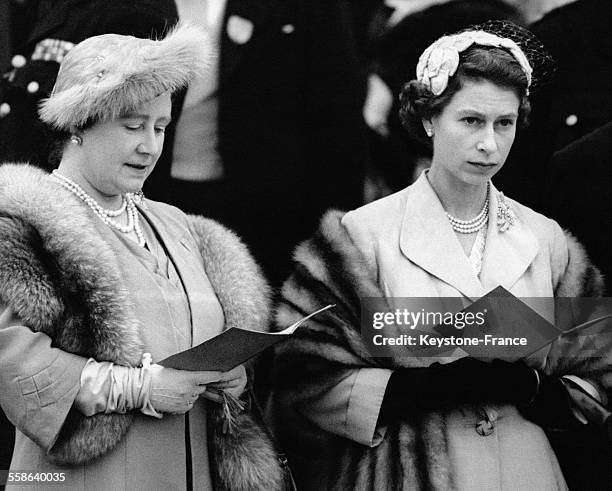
{"x":288,"y":28}
{"x":571,"y":120}
{"x":5,"y":109}
{"x":18,"y":61}
{"x":33,"y":87}
{"x":486,"y":425}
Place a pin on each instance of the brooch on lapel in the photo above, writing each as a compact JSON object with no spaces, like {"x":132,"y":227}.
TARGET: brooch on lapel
{"x":505,"y":214}
{"x":139,"y":199}
{"x":239,"y":29}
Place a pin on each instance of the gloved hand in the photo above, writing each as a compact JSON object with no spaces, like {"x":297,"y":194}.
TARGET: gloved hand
{"x":551,"y":406}
{"x":233,"y":382}
{"x":175,"y":391}
{"x":466,"y":380}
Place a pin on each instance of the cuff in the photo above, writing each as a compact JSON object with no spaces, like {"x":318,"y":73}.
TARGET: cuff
{"x":38,"y":382}
{"x":48,"y":396}
{"x":364,"y":406}
{"x":96,"y":380}
{"x":109,"y":388}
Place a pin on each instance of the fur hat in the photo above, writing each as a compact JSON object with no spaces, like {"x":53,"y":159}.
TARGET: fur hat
{"x":107,"y":76}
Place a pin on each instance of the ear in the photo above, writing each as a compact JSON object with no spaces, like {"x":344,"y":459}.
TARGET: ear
{"x":75,"y":131}
{"x":428,"y":127}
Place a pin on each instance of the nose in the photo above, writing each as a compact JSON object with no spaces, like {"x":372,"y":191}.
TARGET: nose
{"x":150,"y":143}
{"x":488,"y":142}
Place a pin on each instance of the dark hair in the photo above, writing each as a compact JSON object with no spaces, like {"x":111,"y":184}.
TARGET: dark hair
{"x":496,"y":65}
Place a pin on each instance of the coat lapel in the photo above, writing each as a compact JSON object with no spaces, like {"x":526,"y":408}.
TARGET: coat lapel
{"x":188,"y":274}
{"x":507,"y":254}
{"x":238,"y":14}
{"x":427,"y":239}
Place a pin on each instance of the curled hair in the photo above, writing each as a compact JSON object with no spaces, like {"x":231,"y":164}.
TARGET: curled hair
{"x":496,"y":65}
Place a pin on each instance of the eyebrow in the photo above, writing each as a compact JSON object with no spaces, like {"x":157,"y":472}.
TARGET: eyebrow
{"x":474,"y":112}
{"x":163,"y":119}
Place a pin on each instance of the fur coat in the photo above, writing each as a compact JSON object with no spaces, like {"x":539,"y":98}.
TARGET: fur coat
{"x":62,"y":279}
{"x":413,"y":454}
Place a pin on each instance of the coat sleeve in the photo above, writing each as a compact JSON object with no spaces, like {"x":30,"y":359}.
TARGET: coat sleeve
{"x":38,"y":383}
{"x":350,"y":408}
{"x":325,"y":372}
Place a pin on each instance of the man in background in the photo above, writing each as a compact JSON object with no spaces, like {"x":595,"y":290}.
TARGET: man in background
{"x":273,"y":135}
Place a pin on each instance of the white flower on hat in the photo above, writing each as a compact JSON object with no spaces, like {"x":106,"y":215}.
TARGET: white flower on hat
{"x":440,"y":60}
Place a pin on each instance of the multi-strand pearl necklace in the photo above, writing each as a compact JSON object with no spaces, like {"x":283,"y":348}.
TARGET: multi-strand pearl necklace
{"x":473,"y":225}
{"x":105,"y":215}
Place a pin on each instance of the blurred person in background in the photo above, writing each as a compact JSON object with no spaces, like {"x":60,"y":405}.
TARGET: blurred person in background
{"x":577,"y":195}
{"x":273,"y":136}
{"x":576,"y":102}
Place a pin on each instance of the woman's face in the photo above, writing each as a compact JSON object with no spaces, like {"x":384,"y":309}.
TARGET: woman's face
{"x":120,"y":154}
{"x":473,"y":134}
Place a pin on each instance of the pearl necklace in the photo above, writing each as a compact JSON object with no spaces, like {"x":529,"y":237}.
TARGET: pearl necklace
{"x":104,"y":214}
{"x":473,"y":225}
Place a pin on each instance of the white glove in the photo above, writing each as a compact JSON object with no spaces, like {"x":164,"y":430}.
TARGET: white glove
{"x":175,"y":391}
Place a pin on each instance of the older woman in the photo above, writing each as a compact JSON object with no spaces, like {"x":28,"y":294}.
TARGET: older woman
{"x":96,"y":281}
{"x":352,"y":421}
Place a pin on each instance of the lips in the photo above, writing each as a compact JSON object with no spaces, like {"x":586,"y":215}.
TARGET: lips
{"x":137,"y":166}
{"x":483,"y":165}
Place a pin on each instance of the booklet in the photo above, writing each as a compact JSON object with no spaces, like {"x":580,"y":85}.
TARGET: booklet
{"x":231,"y":348}
{"x":512,"y":329}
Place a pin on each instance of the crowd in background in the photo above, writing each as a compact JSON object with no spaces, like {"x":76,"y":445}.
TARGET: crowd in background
{"x":304,"y":110}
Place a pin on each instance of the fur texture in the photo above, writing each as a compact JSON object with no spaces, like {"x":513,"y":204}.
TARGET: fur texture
{"x":107,"y":76}
{"x":413,"y":455}
{"x":62,"y":279}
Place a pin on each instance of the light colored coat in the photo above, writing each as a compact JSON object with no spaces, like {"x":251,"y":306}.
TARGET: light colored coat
{"x":418,"y":255}
{"x":404,"y":246}
{"x":80,"y":295}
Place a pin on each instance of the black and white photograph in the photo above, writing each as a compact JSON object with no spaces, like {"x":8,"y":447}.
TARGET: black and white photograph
{"x":304,"y":245}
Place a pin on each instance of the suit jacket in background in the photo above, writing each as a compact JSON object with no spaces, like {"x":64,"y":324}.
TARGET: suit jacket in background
{"x":578,"y":101}
{"x":577,"y":194}
{"x":291,"y":135}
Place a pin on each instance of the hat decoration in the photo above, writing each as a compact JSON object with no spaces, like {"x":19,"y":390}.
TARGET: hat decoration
{"x":440,"y":60}
{"x":107,"y":76}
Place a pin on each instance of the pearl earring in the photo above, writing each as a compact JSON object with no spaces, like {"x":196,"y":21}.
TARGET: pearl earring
{"x":429,"y":132}
{"x":76,"y":139}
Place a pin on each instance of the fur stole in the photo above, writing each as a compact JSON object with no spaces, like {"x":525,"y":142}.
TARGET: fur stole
{"x":331,"y":269}
{"x":60,"y":278}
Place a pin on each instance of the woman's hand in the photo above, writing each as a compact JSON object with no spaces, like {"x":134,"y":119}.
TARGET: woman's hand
{"x":175,"y":391}
{"x":233,"y":381}
{"x":463,"y":381}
